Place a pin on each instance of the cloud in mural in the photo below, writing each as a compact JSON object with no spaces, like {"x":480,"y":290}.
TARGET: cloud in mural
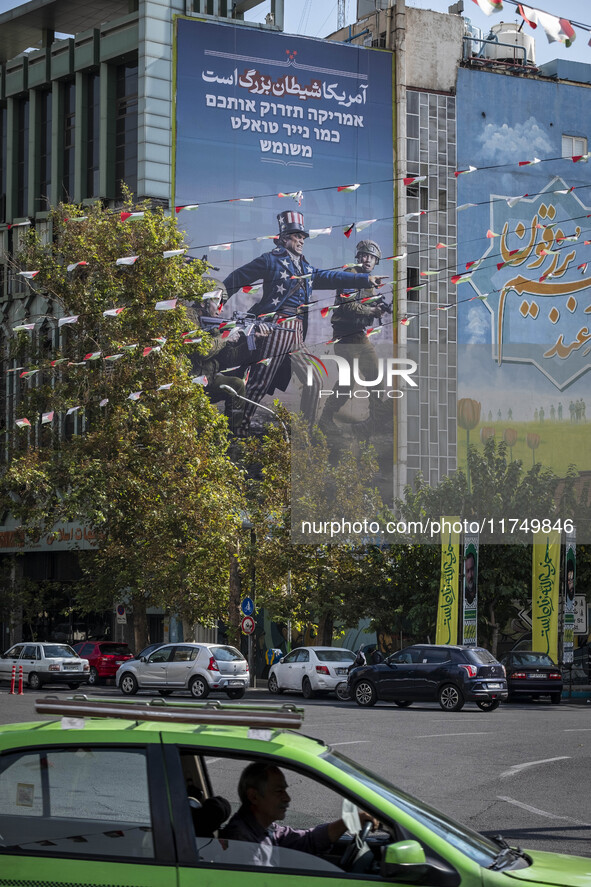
{"x":505,"y":143}
{"x":477,"y":326}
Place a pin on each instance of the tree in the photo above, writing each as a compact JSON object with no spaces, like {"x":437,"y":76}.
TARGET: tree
{"x":500,"y":488}
{"x":142,"y":461}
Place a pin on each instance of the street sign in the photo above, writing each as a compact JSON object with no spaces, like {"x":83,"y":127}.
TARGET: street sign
{"x":121,"y":615}
{"x":247,"y":625}
{"x":581,"y":626}
{"x":247,"y":606}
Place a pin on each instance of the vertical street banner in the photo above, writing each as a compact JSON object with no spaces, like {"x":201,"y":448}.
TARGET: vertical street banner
{"x":446,"y":631}
{"x":570,"y":572}
{"x":545,"y":593}
{"x":470,"y":591}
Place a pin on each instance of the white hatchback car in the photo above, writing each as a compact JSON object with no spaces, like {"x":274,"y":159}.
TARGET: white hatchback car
{"x":199,"y":668}
{"x":45,"y":663}
{"x":311,"y":670}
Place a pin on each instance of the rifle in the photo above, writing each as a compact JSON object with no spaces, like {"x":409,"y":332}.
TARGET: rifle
{"x":386,"y":307}
{"x":248,"y":323}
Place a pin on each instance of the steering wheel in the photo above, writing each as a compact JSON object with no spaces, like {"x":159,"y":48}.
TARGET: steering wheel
{"x":355,"y":847}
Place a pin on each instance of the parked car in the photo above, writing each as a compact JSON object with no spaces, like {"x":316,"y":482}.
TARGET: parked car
{"x":199,"y":668}
{"x":310,"y":670}
{"x":149,"y":649}
{"x":104,"y":658}
{"x":138,"y":825}
{"x":45,"y":663}
{"x":532,"y":674}
{"x":450,"y":675}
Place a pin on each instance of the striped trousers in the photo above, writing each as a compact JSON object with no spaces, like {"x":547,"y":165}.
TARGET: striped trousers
{"x":287,"y":340}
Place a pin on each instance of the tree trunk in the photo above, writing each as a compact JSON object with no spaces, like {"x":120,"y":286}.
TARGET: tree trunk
{"x":495,"y":631}
{"x":140,"y":621}
{"x":188,"y":631}
{"x":325,"y":629}
{"x":235,"y":598}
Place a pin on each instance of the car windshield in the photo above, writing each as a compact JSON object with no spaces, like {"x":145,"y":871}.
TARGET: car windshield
{"x":53,"y":651}
{"x":478,"y":848}
{"x":227,"y":654}
{"x":335,"y":655}
{"x":113,"y":649}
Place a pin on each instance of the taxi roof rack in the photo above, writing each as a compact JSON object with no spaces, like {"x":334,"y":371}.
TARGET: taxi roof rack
{"x":198,"y":713}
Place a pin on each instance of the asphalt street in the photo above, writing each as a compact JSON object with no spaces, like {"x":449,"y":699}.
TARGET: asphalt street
{"x":522,"y":771}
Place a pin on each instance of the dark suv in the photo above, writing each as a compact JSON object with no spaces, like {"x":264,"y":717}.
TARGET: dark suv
{"x":449,"y":675}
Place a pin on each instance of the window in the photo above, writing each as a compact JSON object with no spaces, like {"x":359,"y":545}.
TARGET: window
{"x":335,"y":656}
{"x":303,"y":656}
{"x":405,"y":656}
{"x":227,"y":654}
{"x":92,"y":134}
{"x":291,"y":657}
{"x":46,"y":803}
{"x":45,"y":115}
{"x":435,"y":656}
{"x":68,"y":135}
{"x":126,"y":128}
{"x":311,"y":804}
{"x":30,"y":652}
{"x":2,"y":162}
{"x":22,"y":163}
{"x":573,"y":146}
{"x":412,"y":279}
{"x":184,"y":654}
{"x":162,"y":655}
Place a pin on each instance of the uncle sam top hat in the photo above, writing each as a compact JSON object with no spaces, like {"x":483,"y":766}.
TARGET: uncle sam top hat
{"x":291,"y":222}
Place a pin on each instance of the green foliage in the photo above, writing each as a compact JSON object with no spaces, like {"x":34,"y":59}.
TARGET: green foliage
{"x":151,"y":477}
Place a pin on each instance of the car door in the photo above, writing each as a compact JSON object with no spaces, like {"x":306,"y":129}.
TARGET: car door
{"x":180,"y":665}
{"x":28,"y":660}
{"x":396,"y":675}
{"x":152,"y":672}
{"x":81,"y":813}
{"x":10,"y":658}
{"x":431,"y":671}
{"x":285,"y":672}
{"x":300,"y":668}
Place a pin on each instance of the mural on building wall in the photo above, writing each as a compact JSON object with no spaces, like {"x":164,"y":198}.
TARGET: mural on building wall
{"x":524,"y":323}
{"x":278,"y":137}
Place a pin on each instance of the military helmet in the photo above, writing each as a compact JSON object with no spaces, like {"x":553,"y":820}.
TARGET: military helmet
{"x":291,"y":222}
{"x":370,"y":247}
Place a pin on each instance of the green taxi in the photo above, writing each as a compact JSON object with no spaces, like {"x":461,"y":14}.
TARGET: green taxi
{"x":135,"y":794}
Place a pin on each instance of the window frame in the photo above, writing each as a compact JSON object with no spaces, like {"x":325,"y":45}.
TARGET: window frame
{"x":188,"y":856}
{"x":162,"y":834}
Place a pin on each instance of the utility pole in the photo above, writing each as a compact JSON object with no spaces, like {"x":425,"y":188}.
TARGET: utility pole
{"x":341,"y":14}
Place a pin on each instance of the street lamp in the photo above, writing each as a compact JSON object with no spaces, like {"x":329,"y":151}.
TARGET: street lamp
{"x":260,"y":406}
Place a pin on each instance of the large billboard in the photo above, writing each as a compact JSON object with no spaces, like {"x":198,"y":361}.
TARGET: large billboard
{"x":282,"y":135}
{"x":524,"y":227}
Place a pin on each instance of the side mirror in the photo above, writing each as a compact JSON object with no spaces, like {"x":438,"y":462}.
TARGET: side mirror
{"x":143,"y":658}
{"x":404,"y":861}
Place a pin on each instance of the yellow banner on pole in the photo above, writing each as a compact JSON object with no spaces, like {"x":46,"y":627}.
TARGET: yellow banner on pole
{"x":446,"y":631}
{"x":545,"y":593}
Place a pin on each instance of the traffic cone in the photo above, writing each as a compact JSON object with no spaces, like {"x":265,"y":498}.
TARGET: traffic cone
{"x":20,"y":680}
{"x":12,"y":680}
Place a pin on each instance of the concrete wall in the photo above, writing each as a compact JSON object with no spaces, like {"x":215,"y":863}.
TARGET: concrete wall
{"x":433,"y":49}
{"x":155,"y":96}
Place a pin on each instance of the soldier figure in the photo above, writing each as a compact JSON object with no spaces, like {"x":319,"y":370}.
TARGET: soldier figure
{"x":225,"y":351}
{"x":288,"y":281}
{"x":351,"y":320}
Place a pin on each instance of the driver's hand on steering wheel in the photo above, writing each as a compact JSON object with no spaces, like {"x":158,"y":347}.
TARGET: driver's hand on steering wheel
{"x":367,"y":817}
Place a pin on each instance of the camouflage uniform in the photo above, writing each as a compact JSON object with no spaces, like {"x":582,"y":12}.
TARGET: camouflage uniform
{"x":350,"y":320}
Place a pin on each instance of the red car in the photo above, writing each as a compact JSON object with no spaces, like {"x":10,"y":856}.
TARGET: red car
{"x":104,"y":658}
